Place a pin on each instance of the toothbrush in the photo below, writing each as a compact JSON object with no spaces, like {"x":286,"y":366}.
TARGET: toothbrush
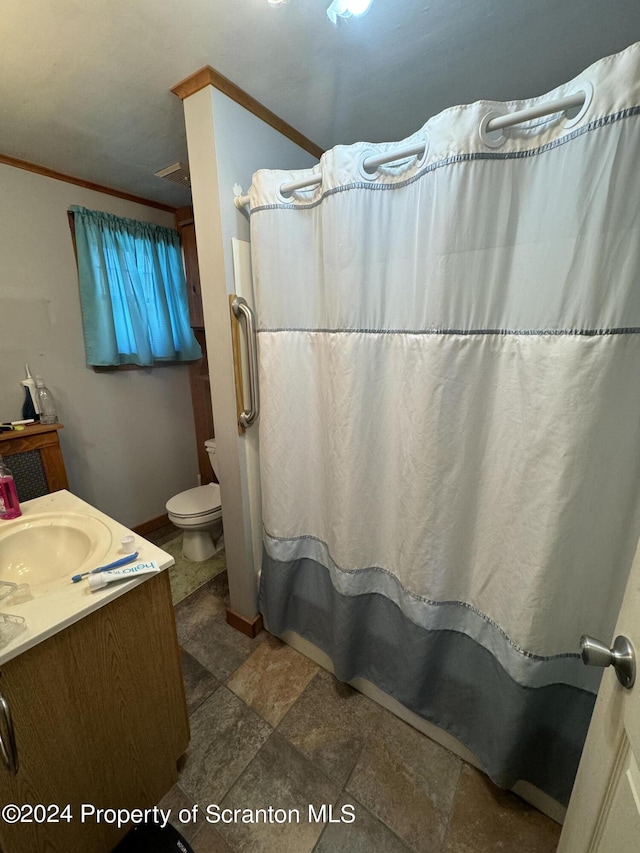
{"x":121,"y":562}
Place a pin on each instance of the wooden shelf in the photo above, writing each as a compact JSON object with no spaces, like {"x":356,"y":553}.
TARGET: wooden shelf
{"x":43,"y":438}
{"x":29,"y":431}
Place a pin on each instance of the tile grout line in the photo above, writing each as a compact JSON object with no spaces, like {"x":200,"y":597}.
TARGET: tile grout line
{"x":381,"y":820}
{"x":217,"y":834}
{"x":341,"y":785}
{"x":284,"y":717}
{"x":224,"y":645}
{"x":208,"y":671}
{"x":340,"y":793}
{"x":233,"y":847}
{"x":447,"y":831}
{"x":375,"y":816}
{"x":244,"y":769}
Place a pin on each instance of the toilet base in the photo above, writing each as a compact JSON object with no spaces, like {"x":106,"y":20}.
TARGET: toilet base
{"x":202,"y":543}
{"x":197,"y":545}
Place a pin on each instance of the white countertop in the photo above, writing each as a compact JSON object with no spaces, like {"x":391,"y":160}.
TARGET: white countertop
{"x":62,"y":602}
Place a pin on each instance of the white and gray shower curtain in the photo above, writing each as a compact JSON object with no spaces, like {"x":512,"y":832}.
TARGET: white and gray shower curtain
{"x":450,"y":430}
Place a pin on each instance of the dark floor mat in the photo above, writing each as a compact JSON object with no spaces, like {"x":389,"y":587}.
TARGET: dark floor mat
{"x":151,"y":838}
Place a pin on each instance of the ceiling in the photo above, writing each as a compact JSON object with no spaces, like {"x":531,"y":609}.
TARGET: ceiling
{"x":85,"y":84}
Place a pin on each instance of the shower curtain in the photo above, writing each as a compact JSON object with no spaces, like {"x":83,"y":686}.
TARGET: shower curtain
{"x":450,"y":430}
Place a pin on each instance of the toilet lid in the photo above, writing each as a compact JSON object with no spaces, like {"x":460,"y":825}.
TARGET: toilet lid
{"x":199,"y":501}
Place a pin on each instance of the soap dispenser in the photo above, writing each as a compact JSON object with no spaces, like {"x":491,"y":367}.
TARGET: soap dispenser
{"x":30,"y":408}
{"x":9,"y":503}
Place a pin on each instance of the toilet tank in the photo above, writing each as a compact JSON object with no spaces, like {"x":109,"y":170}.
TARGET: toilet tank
{"x":210,"y":444}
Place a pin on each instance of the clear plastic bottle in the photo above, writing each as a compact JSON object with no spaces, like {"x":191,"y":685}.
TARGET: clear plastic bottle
{"x":9,"y":503}
{"x":46,"y":403}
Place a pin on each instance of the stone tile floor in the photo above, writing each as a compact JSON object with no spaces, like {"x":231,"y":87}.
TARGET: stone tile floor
{"x":269,"y":728}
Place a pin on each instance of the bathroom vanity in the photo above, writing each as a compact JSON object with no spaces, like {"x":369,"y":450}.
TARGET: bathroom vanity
{"x":95,"y":693}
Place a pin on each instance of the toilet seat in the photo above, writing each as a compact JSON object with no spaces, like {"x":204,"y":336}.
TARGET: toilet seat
{"x":195,"y":503}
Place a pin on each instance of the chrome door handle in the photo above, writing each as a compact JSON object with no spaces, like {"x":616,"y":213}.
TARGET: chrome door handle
{"x":9,"y":750}
{"x":240,"y":306}
{"x":622,"y":657}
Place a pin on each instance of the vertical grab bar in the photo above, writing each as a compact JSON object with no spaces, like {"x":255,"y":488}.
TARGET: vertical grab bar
{"x":9,"y":751}
{"x":240,"y":306}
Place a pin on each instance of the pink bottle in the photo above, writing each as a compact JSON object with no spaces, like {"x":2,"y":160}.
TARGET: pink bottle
{"x":9,"y":503}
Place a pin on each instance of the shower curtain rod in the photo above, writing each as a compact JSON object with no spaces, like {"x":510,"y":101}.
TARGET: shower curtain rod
{"x":371,"y":164}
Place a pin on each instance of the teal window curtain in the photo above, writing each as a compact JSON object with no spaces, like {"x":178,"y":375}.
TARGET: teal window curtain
{"x":133,"y":291}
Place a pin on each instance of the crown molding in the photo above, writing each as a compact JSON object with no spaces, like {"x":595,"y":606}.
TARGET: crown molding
{"x":208,"y":76}
{"x":80,"y":182}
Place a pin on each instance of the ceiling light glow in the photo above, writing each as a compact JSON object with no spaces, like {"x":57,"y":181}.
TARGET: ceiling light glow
{"x":358,"y":7}
{"x":347,"y":8}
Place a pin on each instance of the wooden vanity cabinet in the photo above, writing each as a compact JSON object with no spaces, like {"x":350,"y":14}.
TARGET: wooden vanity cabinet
{"x":100,"y":717}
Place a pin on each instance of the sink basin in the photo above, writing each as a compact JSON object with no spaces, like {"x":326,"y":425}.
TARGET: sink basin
{"x":42,"y":549}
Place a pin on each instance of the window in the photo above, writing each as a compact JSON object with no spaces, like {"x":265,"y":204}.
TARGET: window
{"x":132,"y":290}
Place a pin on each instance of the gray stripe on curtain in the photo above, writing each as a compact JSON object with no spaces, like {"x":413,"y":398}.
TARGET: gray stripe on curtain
{"x":588,"y":333}
{"x":523,"y":666}
{"x":516,"y":732}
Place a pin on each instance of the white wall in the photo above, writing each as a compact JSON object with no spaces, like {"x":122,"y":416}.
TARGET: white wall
{"x":129,"y":438}
{"x":244,"y":144}
{"x":227,"y":144}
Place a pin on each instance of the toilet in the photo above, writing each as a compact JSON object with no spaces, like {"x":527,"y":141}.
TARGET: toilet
{"x":198,"y":513}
